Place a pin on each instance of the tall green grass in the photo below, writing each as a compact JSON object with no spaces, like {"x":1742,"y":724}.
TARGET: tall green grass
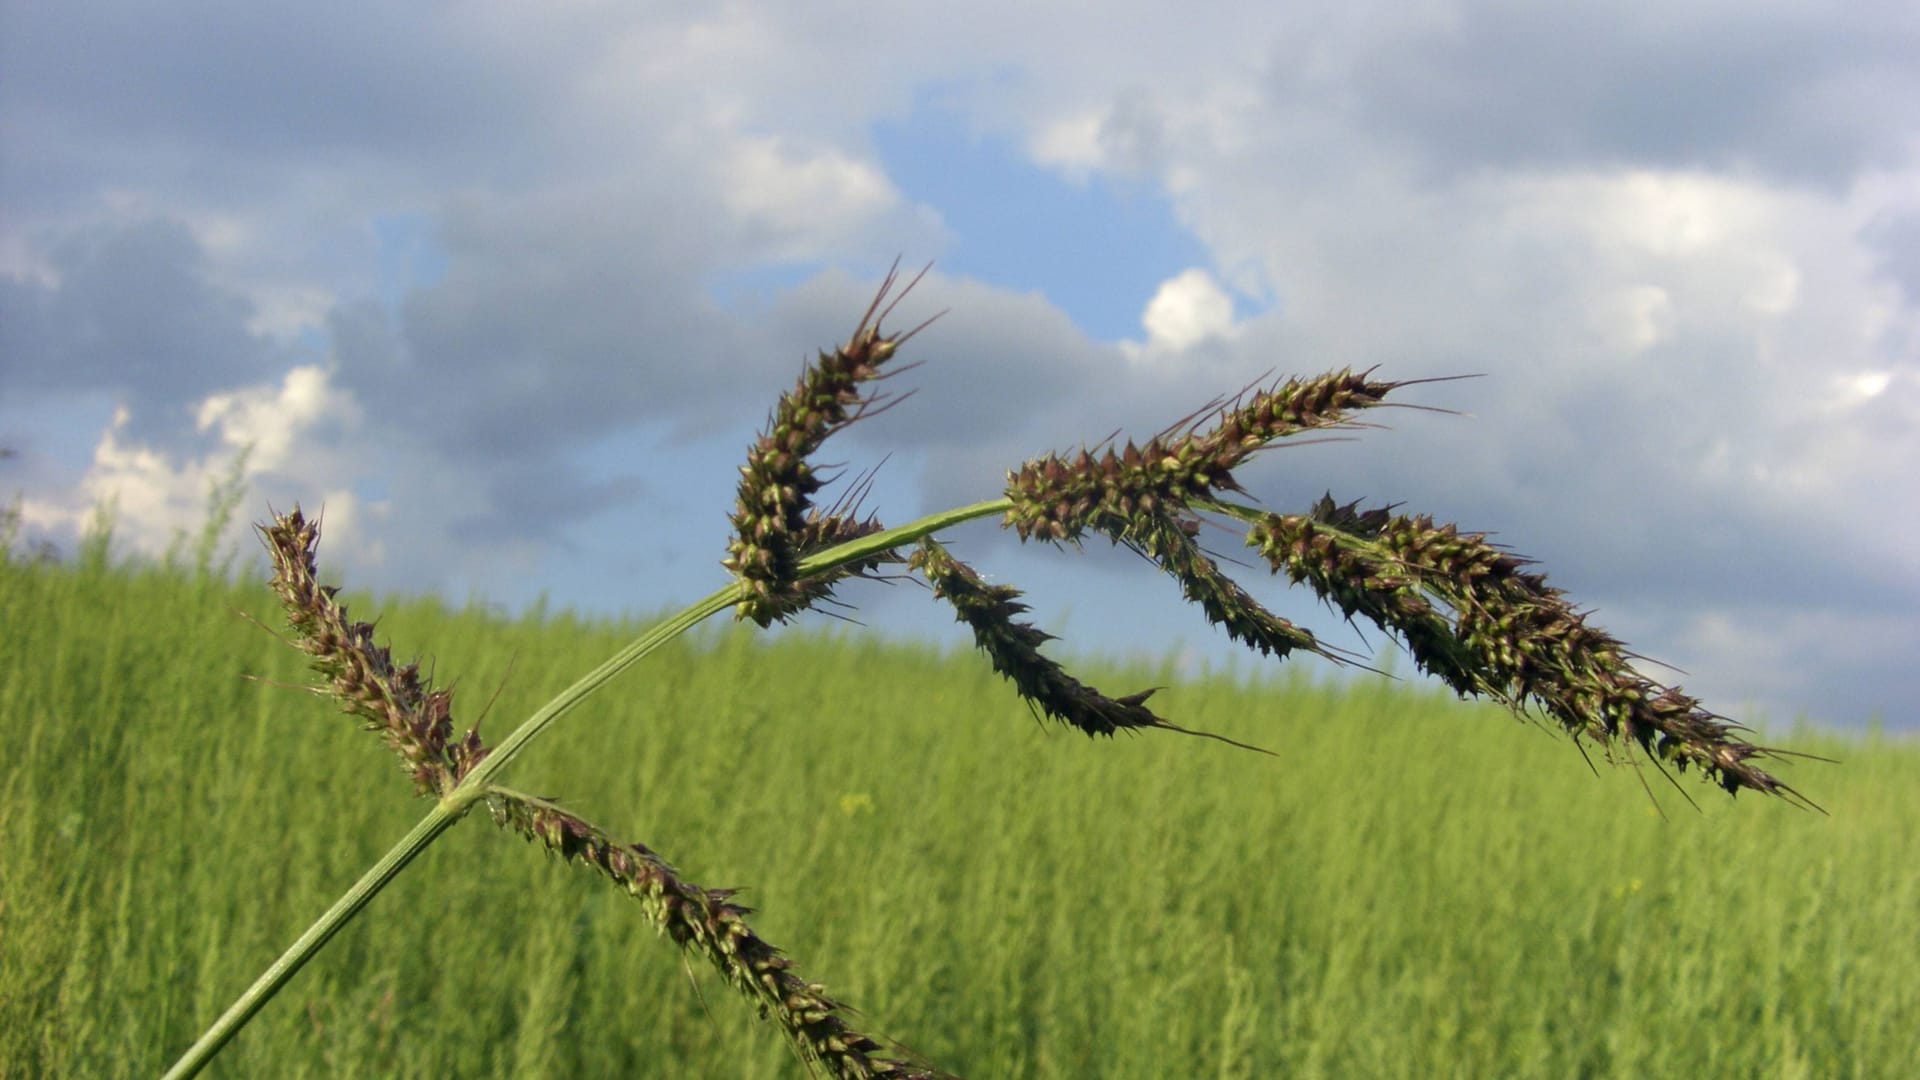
{"x":1414,"y":887}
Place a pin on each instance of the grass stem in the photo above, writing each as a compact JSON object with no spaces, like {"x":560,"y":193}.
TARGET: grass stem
{"x":438,"y":820}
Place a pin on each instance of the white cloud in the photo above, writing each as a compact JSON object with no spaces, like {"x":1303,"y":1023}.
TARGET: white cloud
{"x":1636,"y":317}
{"x":354,"y":524}
{"x":157,"y":496}
{"x":1187,"y":309}
{"x":273,"y":420}
{"x":805,"y":200}
{"x":1071,"y":144}
{"x":1863,"y":386}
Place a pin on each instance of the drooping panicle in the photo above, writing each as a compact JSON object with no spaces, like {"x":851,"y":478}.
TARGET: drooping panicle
{"x":777,"y":484}
{"x":1473,"y":615}
{"x":1059,"y":498}
{"x":991,"y":612}
{"x":1171,"y":543}
{"x":708,"y":922}
{"x":414,"y":717}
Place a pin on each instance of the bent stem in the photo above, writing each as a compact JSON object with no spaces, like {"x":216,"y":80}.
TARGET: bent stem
{"x":478,"y":781}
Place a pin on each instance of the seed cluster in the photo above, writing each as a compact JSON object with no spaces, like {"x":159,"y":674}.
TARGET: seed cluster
{"x":1171,"y":543}
{"x":1060,"y":498}
{"x":415,"y":719}
{"x":1014,"y":648}
{"x":771,"y":520}
{"x":709,"y":922}
{"x":1472,"y":615}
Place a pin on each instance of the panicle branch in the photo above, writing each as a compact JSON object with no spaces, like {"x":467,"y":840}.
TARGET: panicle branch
{"x":415,"y":718}
{"x":773,"y":529}
{"x":1472,"y":615}
{"x":1059,"y":498}
{"x":1014,"y":648}
{"x":1171,"y":543}
{"x":709,"y":922}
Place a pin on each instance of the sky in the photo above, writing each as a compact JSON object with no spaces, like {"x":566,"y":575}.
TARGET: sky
{"x":508,"y":288}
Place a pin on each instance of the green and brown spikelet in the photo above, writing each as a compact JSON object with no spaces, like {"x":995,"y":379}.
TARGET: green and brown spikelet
{"x":773,"y":529}
{"x":1013,"y":647}
{"x":1143,"y":496}
{"x":1471,"y":614}
{"x":415,"y":718}
{"x":1060,"y":498}
{"x":826,"y":529}
{"x":1172,"y":544}
{"x":707,"y":921}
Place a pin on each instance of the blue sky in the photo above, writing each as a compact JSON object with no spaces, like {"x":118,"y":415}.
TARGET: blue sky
{"x":1097,"y":247}
{"x":508,"y":289}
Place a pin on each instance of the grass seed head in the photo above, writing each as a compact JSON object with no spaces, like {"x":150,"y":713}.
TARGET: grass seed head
{"x":708,"y":922}
{"x":1059,"y":498}
{"x":415,"y":718}
{"x":1171,"y":544}
{"x":777,"y":484}
{"x":1013,"y":647}
{"x":1468,"y":611}
{"x":416,"y":721}
{"x":1473,"y":615}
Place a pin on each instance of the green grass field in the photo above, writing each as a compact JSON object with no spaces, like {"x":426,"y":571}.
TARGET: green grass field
{"x":1413,"y":888}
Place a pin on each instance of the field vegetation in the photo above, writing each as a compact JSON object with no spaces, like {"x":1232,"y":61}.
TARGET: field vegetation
{"x":1413,"y":887}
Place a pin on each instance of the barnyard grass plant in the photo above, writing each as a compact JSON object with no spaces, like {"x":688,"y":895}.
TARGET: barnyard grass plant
{"x":1466,"y":611}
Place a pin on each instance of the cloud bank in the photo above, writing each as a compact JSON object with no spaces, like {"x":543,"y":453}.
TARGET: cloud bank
{"x":507,"y":288}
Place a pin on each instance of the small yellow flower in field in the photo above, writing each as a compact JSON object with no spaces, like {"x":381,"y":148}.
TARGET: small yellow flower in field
{"x":855,"y":801}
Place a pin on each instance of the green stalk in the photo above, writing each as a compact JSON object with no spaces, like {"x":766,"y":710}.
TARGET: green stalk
{"x":886,"y":539}
{"x":655,"y":636}
{"x":437,"y":821}
{"x":477,"y":782}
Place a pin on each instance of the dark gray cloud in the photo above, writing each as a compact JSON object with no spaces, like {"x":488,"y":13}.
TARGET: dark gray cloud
{"x":227,"y":102}
{"x":536,"y":500}
{"x":1007,"y":377}
{"x":985,"y":366}
{"x":568,"y":319}
{"x":1805,"y":94}
{"x":133,"y":310}
{"x":558,"y":320}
